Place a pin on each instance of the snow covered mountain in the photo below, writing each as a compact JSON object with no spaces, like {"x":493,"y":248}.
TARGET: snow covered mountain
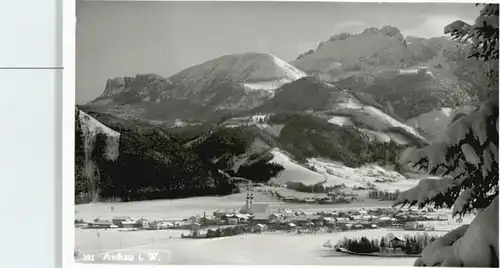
{"x":408,"y":76}
{"x":372,"y":51}
{"x":404,"y":76}
{"x":340,"y":107}
{"x":377,"y":82}
{"x":347,"y":52}
{"x":226,"y":84}
{"x":252,"y":71}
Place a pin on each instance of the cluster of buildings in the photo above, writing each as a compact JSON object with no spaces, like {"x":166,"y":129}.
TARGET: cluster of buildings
{"x":260,"y":215}
{"x":321,"y":198}
{"x":128,"y":223}
{"x":254,"y":214}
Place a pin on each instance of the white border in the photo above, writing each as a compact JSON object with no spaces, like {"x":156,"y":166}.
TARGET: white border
{"x":68,"y":130}
{"x":312,"y":1}
{"x":68,"y":115}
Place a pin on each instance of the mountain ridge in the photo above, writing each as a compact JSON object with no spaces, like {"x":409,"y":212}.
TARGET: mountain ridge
{"x":420,"y":77}
{"x":237,"y":82}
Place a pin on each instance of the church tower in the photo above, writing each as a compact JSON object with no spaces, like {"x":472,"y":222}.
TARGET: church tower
{"x":249,"y":200}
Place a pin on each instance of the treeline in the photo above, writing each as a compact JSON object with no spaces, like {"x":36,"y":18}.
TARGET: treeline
{"x":340,"y":198}
{"x":315,"y":188}
{"x":306,"y":136}
{"x":384,"y":195}
{"x":153,"y":165}
{"x":260,"y":171}
{"x":362,"y":245}
{"x":228,"y":231}
{"x":409,"y":245}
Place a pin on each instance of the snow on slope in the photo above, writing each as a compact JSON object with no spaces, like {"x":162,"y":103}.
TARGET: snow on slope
{"x":292,"y":71}
{"x":371,"y":47}
{"x":266,"y":85}
{"x":381,"y":137}
{"x":259,"y":120}
{"x":340,"y":121}
{"x":380,"y":124}
{"x":332,"y":173}
{"x":290,"y":74}
{"x":91,"y":127}
{"x":94,"y":126}
{"x":294,"y":172}
{"x":416,"y":70}
{"x":435,"y":122}
{"x":255,"y":71}
{"x":337,"y":173}
{"x":383,"y":120}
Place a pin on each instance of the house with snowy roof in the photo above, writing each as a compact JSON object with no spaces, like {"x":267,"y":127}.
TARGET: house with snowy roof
{"x":341,"y":220}
{"x":99,"y":223}
{"x":262,"y":218}
{"x":395,"y":241}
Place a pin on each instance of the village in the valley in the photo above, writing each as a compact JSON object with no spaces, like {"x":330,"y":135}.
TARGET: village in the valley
{"x":256,"y":218}
{"x":259,"y":217}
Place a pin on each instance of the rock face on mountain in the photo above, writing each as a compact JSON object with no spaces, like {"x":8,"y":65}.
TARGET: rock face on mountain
{"x":408,"y":76}
{"x":399,"y":77}
{"x":372,"y":51}
{"x":228,"y":83}
{"x":143,"y":84}
{"x":345,"y":52}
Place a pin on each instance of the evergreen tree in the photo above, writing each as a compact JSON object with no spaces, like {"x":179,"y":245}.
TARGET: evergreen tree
{"x":373,"y":247}
{"x":382,"y":243}
{"x":467,"y":156}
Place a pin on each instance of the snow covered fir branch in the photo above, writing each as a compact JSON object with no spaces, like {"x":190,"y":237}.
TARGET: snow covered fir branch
{"x":467,"y":159}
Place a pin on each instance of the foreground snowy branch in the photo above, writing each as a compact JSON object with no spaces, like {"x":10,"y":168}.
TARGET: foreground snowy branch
{"x":466,"y":157}
{"x":474,"y":245}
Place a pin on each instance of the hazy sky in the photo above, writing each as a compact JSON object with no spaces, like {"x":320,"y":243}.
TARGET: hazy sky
{"x":127,"y":38}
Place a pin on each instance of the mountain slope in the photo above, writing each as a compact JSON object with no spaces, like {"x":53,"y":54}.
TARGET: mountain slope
{"x":367,"y":50}
{"x":434,"y":123}
{"x":403,"y":77}
{"x":407,"y":76}
{"x":253,"y":71}
{"x":305,"y":94}
{"x":212,"y":89}
{"x":144,"y":163}
{"x":340,"y":107}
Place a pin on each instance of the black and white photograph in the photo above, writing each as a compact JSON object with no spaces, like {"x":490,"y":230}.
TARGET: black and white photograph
{"x":286,"y":133}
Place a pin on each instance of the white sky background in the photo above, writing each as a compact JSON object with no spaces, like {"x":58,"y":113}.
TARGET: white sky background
{"x":127,"y":38}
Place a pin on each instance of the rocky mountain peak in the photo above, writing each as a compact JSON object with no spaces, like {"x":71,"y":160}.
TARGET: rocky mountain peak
{"x":141,"y":83}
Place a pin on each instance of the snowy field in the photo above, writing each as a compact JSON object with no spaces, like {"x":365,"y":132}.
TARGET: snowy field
{"x":252,"y":249}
